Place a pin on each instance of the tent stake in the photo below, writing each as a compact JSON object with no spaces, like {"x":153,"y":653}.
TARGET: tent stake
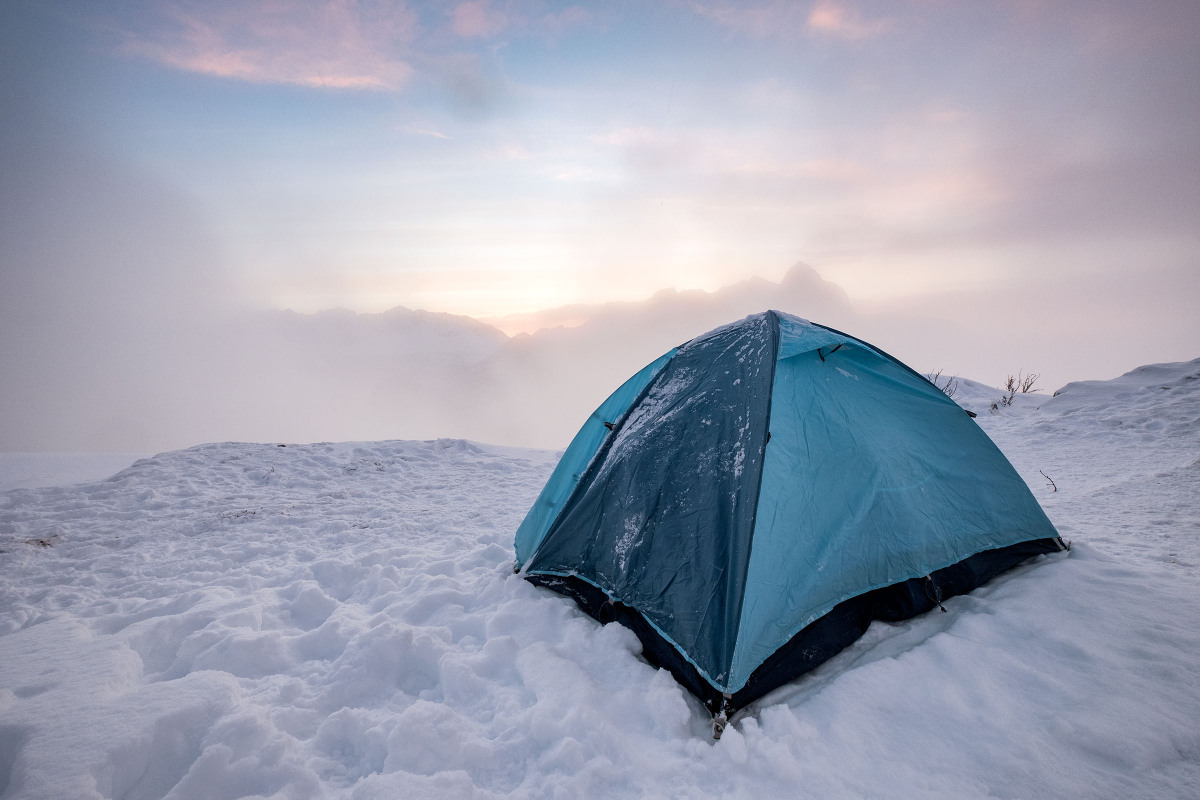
{"x":722,"y":718}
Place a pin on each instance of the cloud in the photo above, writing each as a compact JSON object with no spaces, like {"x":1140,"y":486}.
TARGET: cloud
{"x":111,"y":295}
{"x":417,"y":130}
{"x":473,"y":88}
{"x":480,"y":19}
{"x":333,"y":44}
{"x":842,"y":20}
{"x":119,"y":329}
{"x":568,"y":19}
{"x":339,"y":44}
{"x":1113,"y":26}
{"x":772,"y":18}
{"x":477,"y":19}
{"x":1066,"y":327}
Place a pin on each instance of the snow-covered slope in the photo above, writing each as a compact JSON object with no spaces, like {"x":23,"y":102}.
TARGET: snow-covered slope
{"x":341,"y":620}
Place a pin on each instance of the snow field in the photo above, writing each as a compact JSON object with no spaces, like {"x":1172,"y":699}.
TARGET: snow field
{"x":341,"y":620}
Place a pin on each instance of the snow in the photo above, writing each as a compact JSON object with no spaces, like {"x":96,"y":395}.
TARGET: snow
{"x":341,"y":620}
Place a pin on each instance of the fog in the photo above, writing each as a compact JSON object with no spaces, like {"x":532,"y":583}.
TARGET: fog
{"x":986,"y":195}
{"x":119,"y":331}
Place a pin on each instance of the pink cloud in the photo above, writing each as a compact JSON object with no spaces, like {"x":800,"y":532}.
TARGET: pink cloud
{"x":340,"y":44}
{"x":477,"y":19}
{"x":766,"y":18}
{"x":841,"y":19}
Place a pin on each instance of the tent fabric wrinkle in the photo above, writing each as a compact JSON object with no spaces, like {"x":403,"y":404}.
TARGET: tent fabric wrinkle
{"x":767,"y":489}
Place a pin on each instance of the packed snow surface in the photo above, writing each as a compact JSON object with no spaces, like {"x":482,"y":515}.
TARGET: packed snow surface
{"x":341,"y":620}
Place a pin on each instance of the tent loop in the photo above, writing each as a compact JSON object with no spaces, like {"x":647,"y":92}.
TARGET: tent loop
{"x":936,"y":597}
{"x":831,"y":352}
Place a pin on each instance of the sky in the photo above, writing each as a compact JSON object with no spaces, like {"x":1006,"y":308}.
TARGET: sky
{"x":1016,"y":166}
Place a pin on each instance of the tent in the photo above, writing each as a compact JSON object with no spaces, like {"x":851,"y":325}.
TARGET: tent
{"x":749,"y":502}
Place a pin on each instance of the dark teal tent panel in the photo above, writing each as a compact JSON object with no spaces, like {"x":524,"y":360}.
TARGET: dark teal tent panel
{"x":662,"y":519}
{"x":577,"y":456}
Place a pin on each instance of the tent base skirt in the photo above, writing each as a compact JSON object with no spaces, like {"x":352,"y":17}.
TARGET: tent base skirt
{"x":820,"y":640}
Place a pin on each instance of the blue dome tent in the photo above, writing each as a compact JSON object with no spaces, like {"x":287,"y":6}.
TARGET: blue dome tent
{"x":749,"y":502}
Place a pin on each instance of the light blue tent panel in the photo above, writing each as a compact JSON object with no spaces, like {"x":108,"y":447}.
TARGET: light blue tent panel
{"x":872,"y":476}
{"x":798,"y":335}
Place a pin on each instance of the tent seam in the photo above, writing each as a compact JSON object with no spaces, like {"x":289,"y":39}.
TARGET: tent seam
{"x":773,"y":316}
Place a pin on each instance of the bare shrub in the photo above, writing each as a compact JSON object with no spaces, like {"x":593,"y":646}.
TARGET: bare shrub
{"x":949,"y":386}
{"x":1021,"y":384}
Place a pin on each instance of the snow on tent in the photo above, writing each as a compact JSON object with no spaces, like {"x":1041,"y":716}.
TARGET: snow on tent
{"x":749,"y":502}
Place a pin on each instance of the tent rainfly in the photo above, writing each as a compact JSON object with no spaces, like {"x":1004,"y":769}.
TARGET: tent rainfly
{"x":749,"y":502}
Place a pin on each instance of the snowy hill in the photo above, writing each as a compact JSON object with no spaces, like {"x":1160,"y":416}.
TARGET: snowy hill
{"x":341,"y":620}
